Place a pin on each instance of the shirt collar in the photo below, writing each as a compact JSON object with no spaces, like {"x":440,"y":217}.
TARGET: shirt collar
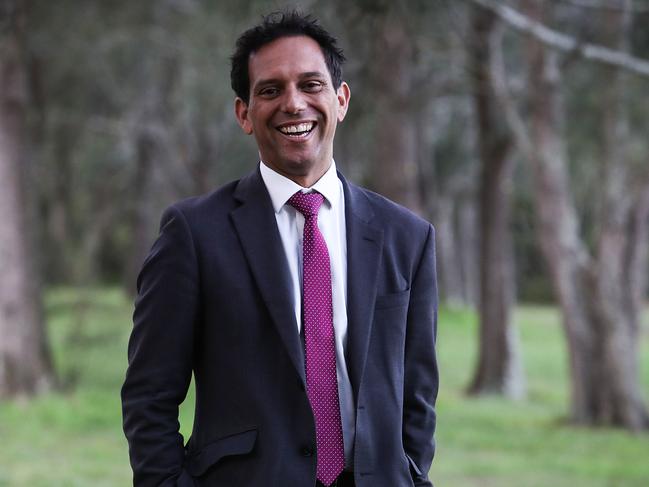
{"x":280,"y":188}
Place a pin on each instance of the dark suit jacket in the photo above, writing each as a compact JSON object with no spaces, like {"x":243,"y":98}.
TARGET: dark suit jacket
{"x":214,"y":299}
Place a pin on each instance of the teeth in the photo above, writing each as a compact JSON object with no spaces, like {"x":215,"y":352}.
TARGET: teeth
{"x":294,"y":129}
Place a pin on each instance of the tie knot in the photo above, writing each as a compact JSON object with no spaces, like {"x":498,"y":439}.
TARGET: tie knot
{"x":306,"y":203}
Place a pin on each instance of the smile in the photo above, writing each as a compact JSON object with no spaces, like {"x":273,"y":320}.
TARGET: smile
{"x":298,"y":130}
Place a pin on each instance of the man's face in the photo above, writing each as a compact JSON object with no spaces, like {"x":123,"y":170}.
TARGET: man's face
{"x":293,"y":108}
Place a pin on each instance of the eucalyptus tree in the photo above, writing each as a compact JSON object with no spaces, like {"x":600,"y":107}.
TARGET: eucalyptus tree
{"x":25,"y":362}
{"x":499,"y":367}
{"x":599,"y":281}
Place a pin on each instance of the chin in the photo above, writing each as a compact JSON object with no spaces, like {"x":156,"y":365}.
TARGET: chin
{"x":299,"y":166}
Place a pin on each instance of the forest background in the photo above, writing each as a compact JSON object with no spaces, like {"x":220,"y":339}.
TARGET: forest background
{"x":518,"y":128}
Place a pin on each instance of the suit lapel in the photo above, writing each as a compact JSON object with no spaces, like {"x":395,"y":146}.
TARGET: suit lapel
{"x":364,"y":246}
{"x":255,"y":223}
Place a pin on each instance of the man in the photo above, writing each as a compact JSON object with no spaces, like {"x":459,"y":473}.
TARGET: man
{"x":304,"y":306}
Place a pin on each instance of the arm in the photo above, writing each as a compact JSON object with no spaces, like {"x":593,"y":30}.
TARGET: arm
{"x":421,"y":375}
{"x":160,"y":355}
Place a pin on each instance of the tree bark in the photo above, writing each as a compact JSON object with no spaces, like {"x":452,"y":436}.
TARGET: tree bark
{"x":600,"y":320}
{"x":499,"y":369}
{"x":395,"y":168}
{"x":613,"y":295}
{"x":25,"y":364}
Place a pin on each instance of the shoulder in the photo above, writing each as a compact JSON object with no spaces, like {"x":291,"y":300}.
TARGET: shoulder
{"x":408,"y":240}
{"x":391,"y":217}
{"x":212,"y":207}
{"x":210,"y":203}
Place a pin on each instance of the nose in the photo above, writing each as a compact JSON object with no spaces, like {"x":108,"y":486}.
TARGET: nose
{"x":293,"y":101}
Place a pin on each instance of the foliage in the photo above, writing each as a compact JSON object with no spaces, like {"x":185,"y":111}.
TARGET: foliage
{"x":74,"y":438}
{"x":107,"y":79}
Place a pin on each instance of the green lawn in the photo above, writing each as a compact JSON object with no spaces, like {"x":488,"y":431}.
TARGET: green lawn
{"x":493,"y":442}
{"x":74,"y":438}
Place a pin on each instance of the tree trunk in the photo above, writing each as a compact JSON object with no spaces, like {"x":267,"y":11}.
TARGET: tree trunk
{"x":395,"y":168}
{"x":499,"y":369}
{"x":25,"y":364}
{"x":621,"y":399}
{"x":599,"y":318}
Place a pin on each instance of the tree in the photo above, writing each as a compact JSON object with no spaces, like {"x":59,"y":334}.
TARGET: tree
{"x":599,"y":291}
{"x":499,"y":369}
{"x":25,"y":364}
{"x":395,"y":171}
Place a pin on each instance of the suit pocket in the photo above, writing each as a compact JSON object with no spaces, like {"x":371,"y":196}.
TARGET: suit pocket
{"x":393,"y":300}
{"x":413,"y":467}
{"x":237,"y":444}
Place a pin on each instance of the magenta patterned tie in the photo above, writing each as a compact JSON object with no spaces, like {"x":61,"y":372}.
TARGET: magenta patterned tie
{"x":317,"y":312}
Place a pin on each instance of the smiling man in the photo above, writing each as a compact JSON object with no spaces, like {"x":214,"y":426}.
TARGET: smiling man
{"x":304,"y":306}
{"x":292,"y":108}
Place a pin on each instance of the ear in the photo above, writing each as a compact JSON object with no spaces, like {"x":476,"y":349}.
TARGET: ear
{"x":343,"y":93}
{"x":241,"y":112}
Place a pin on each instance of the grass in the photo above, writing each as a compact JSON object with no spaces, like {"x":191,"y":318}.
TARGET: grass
{"x":494,"y":442}
{"x":73,"y":437}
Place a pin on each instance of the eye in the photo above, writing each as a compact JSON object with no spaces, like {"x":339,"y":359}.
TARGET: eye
{"x":269,"y":92}
{"x":313,"y":86}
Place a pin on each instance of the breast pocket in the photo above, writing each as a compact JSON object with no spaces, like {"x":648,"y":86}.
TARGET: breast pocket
{"x":392,"y":300}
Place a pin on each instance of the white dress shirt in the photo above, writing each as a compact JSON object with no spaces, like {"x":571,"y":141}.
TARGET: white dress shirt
{"x":331,"y":222}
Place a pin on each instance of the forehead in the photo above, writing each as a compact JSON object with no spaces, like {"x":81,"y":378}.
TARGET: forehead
{"x":285,"y":58}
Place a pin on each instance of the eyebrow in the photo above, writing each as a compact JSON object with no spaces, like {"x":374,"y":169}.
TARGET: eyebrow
{"x":313,"y":74}
{"x":272,"y":81}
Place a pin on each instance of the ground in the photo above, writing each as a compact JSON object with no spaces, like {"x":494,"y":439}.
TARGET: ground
{"x":73,"y":437}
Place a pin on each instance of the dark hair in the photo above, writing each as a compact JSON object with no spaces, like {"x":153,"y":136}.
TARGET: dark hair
{"x":275,"y":26}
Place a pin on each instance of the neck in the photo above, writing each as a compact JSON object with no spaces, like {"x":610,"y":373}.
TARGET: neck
{"x":305,"y":180}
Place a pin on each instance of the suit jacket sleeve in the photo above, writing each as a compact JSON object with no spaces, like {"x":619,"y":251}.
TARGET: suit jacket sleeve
{"x":421,"y":375}
{"x":160,"y":355}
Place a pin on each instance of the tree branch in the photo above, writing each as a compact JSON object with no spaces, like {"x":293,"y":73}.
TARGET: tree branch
{"x":602,"y":5}
{"x":566,"y":43}
{"x":501,"y":90}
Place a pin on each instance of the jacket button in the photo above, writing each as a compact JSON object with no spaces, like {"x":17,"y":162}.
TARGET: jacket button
{"x":306,"y":451}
